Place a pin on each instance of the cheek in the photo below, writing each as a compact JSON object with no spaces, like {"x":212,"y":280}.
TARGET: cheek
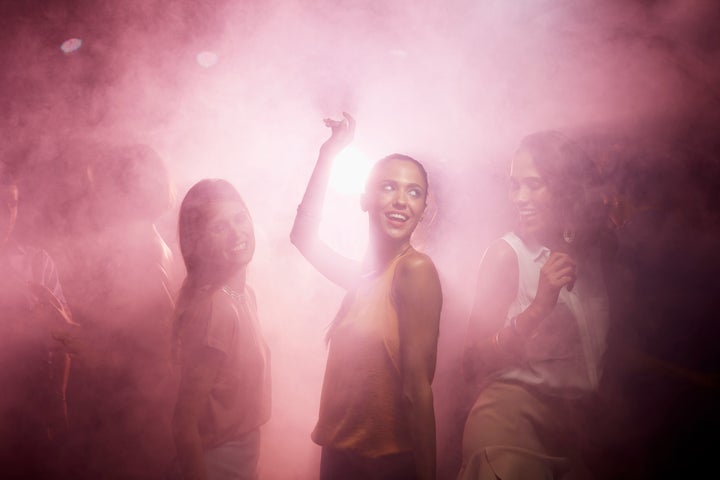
{"x":419,"y":205}
{"x":543,"y":200}
{"x":209,"y":244}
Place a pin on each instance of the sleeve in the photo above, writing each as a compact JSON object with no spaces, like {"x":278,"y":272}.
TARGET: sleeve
{"x":206,"y":323}
{"x":221,"y":329}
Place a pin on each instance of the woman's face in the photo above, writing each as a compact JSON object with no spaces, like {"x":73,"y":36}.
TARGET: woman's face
{"x":530,"y":195}
{"x":395,"y":199}
{"x":229,"y":239}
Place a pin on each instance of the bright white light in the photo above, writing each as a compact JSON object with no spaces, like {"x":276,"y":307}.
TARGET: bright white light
{"x":349,"y":172}
{"x":207,"y":59}
{"x":71,"y":45}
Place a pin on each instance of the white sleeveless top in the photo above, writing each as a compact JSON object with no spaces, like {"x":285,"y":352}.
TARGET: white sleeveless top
{"x":564,"y":356}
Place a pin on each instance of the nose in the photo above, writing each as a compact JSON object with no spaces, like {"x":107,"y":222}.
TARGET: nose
{"x":234,"y":232}
{"x":399,"y":199}
{"x":520,"y":195}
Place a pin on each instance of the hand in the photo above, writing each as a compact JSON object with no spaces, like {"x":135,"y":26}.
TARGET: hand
{"x":558,"y":272}
{"x":343,"y":132}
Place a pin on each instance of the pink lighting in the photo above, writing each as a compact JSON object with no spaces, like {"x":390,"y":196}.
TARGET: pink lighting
{"x":349,"y":171}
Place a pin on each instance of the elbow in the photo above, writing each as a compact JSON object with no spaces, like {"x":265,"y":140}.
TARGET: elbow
{"x":301,"y":238}
{"x":294,"y":237}
{"x":297,"y":235}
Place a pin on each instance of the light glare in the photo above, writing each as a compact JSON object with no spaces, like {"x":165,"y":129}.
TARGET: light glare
{"x":207,"y":59}
{"x":71,"y":45}
{"x":350,"y":170}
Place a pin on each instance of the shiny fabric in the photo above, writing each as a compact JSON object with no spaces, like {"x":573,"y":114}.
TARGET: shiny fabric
{"x":361,"y":407}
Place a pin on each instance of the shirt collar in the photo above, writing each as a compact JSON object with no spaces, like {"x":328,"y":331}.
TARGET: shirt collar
{"x":538,"y":251}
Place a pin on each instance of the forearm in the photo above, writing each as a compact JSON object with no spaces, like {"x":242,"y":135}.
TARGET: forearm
{"x":421,"y":419}
{"x":309,"y":212}
{"x":317,"y":184}
{"x":504,"y":347}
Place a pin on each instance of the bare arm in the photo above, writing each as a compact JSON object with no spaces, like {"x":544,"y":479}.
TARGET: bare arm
{"x":304,"y":235}
{"x":495,"y":290}
{"x":490,"y":344}
{"x":196,"y":382}
{"x":418,"y":297}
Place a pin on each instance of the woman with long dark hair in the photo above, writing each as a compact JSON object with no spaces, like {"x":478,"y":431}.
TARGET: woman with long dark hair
{"x":224,"y":394}
{"x":376,"y":411}
{"x":538,"y":328}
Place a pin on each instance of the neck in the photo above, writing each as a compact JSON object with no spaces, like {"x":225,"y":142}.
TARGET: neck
{"x":210,"y":277}
{"x":381,"y":254}
{"x":237,"y":280}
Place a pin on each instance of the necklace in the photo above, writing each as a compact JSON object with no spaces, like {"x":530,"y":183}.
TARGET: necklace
{"x":233,"y":294}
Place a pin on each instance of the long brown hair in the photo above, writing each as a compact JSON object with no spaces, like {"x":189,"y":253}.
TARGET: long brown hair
{"x":192,"y":224}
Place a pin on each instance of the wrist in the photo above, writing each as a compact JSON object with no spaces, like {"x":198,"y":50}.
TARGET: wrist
{"x":532,"y":316}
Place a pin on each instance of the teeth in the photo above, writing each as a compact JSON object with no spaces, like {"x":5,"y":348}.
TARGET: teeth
{"x":397,"y":216}
{"x":239,"y":247}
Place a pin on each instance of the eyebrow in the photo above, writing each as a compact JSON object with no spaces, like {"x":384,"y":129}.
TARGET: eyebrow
{"x":411,"y":184}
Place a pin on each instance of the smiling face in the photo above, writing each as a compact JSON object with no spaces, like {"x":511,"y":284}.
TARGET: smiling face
{"x":395,"y":199}
{"x":531,"y":196}
{"x":228,"y":241}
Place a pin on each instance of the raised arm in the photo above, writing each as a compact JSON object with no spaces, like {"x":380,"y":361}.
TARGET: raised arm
{"x":418,"y":298}
{"x":305,"y":232}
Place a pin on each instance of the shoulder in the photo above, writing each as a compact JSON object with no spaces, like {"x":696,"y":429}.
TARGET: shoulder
{"x":416,"y":277}
{"x":415,"y":263}
{"x":501,"y":255}
{"x":498,"y":272}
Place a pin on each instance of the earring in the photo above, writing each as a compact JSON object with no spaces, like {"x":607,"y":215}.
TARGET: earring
{"x":569,"y":235}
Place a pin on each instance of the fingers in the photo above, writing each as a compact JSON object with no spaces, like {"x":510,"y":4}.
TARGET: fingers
{"x":329,"y":122}
{"x":348,"y":122}
{"x":559,"y":271}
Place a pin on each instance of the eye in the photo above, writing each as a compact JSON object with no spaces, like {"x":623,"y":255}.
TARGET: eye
{"x":535,"y":184}
{"x":415,"y":193}
{"x":387,"y":187}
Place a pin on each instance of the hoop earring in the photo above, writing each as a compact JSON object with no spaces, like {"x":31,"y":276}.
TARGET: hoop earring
{"x":569,"y":235}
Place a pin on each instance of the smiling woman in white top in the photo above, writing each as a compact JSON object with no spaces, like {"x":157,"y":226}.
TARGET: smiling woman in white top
{"x":539,"y":323}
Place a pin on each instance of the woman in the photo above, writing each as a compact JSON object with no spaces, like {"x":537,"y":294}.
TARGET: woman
{"x":376,"y":411}
{"x":224,"y":394}
{"x":540,"y":318}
